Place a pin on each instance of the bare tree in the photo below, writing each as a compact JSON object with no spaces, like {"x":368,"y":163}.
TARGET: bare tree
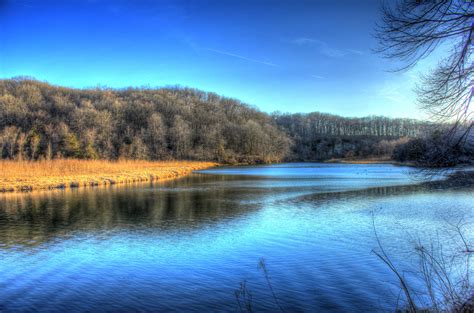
{"x":410,"y":30}
{"x":444,"y":277}
{"x":166,"y":123}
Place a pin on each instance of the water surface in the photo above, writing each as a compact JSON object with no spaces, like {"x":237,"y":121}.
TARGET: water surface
{"x":186,"y":245}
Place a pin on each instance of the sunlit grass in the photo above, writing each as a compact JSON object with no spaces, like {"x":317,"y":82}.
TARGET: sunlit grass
{"x":71,"y":173}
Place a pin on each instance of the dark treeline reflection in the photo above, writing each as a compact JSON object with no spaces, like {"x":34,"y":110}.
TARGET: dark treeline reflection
{"x":318,"y":198}
{"x":185,"y":204}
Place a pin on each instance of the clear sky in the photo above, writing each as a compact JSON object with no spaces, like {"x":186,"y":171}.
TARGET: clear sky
{"x":289,"y":56}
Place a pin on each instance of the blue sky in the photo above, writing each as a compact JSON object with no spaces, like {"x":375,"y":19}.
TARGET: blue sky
{"x":289,"y":56}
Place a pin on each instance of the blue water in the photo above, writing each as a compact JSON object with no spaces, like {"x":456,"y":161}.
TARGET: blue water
{"x":187,"y":245}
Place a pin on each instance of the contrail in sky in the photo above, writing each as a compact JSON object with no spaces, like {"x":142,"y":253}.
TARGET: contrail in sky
{"x":242,"y":57}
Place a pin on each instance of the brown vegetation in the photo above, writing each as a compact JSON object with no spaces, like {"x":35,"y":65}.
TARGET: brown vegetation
{"x":438,"y":149}
{"x":38,"y":175}
{"x":41,"y":121}
{"x":318,"y":136}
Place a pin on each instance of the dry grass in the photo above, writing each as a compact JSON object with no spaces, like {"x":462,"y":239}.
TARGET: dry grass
{"x":40,"y":175}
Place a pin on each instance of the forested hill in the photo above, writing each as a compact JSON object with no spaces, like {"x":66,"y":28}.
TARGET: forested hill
{"x":39,"y":120}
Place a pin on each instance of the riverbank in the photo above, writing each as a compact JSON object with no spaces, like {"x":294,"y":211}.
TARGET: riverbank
{"x":368,"y":161}
{"x":63,"y":174}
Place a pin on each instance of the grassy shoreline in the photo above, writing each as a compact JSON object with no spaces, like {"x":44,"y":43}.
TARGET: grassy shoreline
{"x":16,"y":176}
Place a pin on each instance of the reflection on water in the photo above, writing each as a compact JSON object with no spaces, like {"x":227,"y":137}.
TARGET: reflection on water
{"x":187,"y":244}
{"x":31,"y":219}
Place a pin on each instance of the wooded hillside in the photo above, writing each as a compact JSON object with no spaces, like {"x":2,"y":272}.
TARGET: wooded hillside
{"x":319,"y":136}
{"x":39,"y":120}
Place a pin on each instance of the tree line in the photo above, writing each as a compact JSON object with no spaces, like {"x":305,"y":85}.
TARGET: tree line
{"x":43,"y":121}
{"x":320,"y":136}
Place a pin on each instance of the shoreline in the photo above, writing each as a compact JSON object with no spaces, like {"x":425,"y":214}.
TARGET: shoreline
{"x":65,"y":174}
{"x":368,"y":161}
{"x":20,"y":177}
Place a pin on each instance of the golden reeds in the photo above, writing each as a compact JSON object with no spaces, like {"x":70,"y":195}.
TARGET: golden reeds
{"x":71,"y":173}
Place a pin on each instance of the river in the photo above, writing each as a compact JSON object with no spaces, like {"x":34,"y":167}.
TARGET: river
{"x":188,"y":244}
